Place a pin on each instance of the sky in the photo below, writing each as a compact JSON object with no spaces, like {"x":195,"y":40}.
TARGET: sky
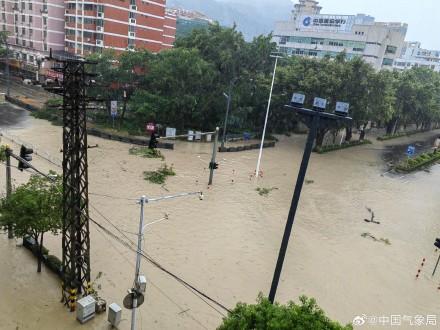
{"x":422,"y":16}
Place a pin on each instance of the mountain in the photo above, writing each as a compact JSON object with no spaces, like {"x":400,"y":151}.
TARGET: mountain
{"x":251,"y":17}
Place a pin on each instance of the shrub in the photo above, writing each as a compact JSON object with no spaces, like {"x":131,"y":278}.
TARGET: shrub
{"x":264,"y":315}
{"x":333,"y":147}
{"x":146,"y":152}
{"x":159,"y":176}
{"x":420,"y":161}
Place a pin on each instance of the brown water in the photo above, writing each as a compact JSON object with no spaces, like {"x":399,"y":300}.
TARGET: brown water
{"x":227,"y":244}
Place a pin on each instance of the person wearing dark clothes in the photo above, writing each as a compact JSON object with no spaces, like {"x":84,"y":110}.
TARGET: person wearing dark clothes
{"x":153,"y":141}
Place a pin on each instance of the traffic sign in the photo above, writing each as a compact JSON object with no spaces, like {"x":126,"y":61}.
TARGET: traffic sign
{"x":128,"y":300}
{"x":114,"y":108}
{"x":150,"y":127}
{"x":411,"y":151}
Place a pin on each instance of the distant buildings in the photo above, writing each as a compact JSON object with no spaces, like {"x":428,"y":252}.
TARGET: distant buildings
{"x":82,"y":27}
{"x":310,"y":33}
{"x":413,"y":55}
{"x":188,"y":20}
{"x":120,"y":25}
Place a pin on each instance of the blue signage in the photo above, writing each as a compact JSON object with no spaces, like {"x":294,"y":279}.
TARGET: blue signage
{"x":307,"y":21}
{"x":411,"y":151}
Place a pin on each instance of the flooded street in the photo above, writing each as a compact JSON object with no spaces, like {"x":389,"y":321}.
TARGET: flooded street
{"x":227,"y":244}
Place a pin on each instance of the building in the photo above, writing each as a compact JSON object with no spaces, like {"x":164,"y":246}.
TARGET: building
{"x":122,"y":25}
{"x":34,"y":27}
{"x":310,"y":33}
{"x":188,"y":20}
{"x":413,"y":55}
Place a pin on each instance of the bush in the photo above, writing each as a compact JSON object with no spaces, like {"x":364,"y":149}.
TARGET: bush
{"x":146,"y":152}
{"x":159,"y":176}
{"x":264,"y":315}
{"x":400,"y":134}
{"x":420,"y":161}
{"x":333,"y":147}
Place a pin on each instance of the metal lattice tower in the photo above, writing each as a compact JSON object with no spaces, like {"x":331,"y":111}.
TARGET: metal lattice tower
{"x":75,"y":231}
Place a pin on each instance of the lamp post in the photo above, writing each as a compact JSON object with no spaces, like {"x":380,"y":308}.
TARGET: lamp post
{"x":267,"y":116}
{"x":314,"y":119}
{"x":229,"y":98}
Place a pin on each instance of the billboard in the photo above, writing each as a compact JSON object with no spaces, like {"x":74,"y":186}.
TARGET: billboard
{"x":335,"y":23}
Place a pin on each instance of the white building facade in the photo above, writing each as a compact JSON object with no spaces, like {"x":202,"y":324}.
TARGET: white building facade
{"x":413,"y":55}
{"x":310,"y":33}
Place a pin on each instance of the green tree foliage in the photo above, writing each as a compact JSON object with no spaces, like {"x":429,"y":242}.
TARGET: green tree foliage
{"x":34,"y":209}
{"x":183,"y":87}
{"x":265,"y":316}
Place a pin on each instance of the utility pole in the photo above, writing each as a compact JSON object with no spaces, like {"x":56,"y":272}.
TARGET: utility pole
{"x":314,"y":119}
{"x":213,"y":165}
{"x":267,"y":116}
{"x":229,"y":96}
{"x":8,"y":153}
{"x":137,"y":290}
{"x":138,"y":263}
{"x":8,"y":72}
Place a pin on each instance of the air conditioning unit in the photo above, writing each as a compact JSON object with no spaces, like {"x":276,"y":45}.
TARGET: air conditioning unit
{"x":132,"y":20}
{"x":131,"y":35}
{"x":100,"y":28}
{"x":100,"y":15}
{"x":133,"y":7}
{"x":99,"y":43}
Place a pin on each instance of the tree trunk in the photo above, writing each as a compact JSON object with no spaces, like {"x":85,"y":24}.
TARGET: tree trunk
{"x":320,"y":137}
{"x":40,"y":253}
{"x":348,"y":133}
{"x":390,"y":126}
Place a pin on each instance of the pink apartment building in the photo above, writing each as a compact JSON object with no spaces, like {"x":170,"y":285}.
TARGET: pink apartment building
{"x":35,"y":27}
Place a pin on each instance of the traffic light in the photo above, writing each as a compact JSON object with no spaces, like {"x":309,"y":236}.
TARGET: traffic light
{"x":437,"y":243}
{"x":26,"y":154}
{"x":213,"y":166}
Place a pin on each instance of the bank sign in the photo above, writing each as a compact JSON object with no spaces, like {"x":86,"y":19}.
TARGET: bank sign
{"x":336,"y":23}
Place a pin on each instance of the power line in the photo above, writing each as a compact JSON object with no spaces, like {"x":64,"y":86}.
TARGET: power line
{"x":147,"y":257}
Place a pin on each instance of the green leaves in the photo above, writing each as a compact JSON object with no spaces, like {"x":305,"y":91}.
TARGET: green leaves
{"x":266,"y":316}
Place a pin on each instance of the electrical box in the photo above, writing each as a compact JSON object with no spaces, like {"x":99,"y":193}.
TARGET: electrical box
{"x":114,"y":314}
{"x":142,"y":283}
{"x":342,"y":108}
{"x":298,"y":100}
{"x":85,"y":309}
{"x":319,"y":104}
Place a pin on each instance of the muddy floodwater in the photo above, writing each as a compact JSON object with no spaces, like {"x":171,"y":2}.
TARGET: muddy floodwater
{"x":227,"y":244}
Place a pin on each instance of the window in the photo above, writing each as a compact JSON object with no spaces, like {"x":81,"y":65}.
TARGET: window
{"x":23,"y":18}
{"x":31,"y":44}
{"x":45,"y":34}
{"x":89,"y":7}
{"x":387,"y":61}
{"x":31,"y":59}
{"x":23,"y":6}
{"x":3,"y":16}
{"x":16,"y":17}
{"x":283,"y":40}
{"x":16,"y":41}
{"x":23,"y":42}
{"x":358,"y":49}
{"x":3,"y":3}
{"x":16,"y":29}
{"x":131,"y":28}
{"x":4,"y":27}
{"x":30,"y":19}
{"x":132,"y":15}
{"x":45,"y":47}
{"x":391,"y":49}
{"x":44,"y":20}
{"x":23,"y":30}
{"x":31,"y":32}
{"x":30,"y":5}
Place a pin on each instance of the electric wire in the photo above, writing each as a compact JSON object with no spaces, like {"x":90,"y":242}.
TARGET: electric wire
{"x":131,"y":245}
{"x":129,"y":262}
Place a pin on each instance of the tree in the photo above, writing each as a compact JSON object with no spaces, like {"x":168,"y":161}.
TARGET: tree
{"x":34,"y":209}
{"x":266,"y":316}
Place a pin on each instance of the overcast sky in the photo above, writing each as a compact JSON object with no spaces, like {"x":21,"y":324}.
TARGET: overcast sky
{"x":422,"y":16}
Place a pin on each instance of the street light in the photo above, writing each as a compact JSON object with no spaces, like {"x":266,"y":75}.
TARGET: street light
{"x":314,"y":119}
{"x":229,"y":98}
{"x":267,"y":116}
